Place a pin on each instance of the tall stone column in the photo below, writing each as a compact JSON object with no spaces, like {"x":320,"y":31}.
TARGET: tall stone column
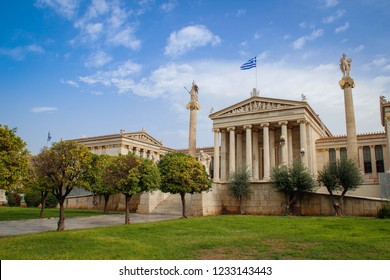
{"x":223,"y":155}
{"x":302,"y":141}
{"x":216,"y":154}
{"x":239,"y":152}
{"x":283,"y":142}
{"x":232,"y":150}
{"x":255,"y":151}
{"x":248,"y":147}
{"x":346,"y":84}
{"x":373,"y":161}
{"x":193,"y":106}
{"x":290,"y":146}
{"x":272,"y":147}
{"x":267,"y":163}
{"x":387,"y":119}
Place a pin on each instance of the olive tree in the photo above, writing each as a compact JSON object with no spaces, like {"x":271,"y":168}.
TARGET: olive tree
{"x":182,"y":174}
{"x":238,"y":185}
{"x":293,"y":181}
{"x":339,"y":178}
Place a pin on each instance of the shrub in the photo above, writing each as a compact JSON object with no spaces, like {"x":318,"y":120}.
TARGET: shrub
{"x":51,"y":201}
{"x":13,"y":199}
{"x":32,"y":199}
{"x":384,"y":212}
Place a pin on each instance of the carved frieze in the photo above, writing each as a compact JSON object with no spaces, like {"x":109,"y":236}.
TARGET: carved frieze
{"x":256,"y":106}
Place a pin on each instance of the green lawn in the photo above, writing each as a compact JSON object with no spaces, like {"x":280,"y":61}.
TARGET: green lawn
{"x":216,"y":237}
{"x":23,"y":213}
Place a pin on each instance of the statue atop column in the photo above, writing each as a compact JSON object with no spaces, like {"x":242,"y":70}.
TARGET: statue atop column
{"x":193,"y":104}
{"x":345,"y":65}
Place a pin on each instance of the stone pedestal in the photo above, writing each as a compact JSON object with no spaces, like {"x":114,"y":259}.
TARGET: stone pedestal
{"x":347,"y":83}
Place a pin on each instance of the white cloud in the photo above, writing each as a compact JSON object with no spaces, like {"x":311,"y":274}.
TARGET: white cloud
{"x":189,"y":38}
{"x":19,"y":53}
{"x":97,"y":59}
{"x":300,"y":42}
{"x":125,"y":38}
{"x":358,"y":49}
{"x":331,"y":3}
{"x":69,"y":82}
{"x":342,"y":28}
{"x":66,"y":8}
{"x":334,"y":17}
{"x":43,"y":109}
{"x":168,"y":6}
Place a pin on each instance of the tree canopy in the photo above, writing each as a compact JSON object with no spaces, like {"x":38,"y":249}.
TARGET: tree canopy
{"x":339,"y":178}
{"x":182,"y":174}
{"x":239,"y":185}
{"x":13,"y":159}
{"x":131,"y":175}
{"x":65,"y":166}
{"x":293,"y":181}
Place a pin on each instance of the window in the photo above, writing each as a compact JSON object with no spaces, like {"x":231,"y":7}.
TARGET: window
{"x":380,"y":166}
{"x":332,"y":155}
{"x":343,"y":153}
{"x":367,"y":159}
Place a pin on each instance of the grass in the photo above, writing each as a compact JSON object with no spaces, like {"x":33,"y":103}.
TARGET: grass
{"x":23,"y":213}
{"x":213,"y":237}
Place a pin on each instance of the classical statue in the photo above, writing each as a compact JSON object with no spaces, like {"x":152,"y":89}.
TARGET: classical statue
{"x":194,"y":91}
{"x":205,"y":160}
{"x":345,"y":65}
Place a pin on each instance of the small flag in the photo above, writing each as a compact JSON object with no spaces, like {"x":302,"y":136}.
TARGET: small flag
{"x":251,"y":63}
{"x":48,"y":136}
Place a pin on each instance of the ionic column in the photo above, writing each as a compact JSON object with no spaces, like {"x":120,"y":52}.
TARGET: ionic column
{"x":232,"y":150}
{"x":239,"y":152}
{"x":361,"y":159}
{"x":290,"y":146}
{"x":267,"y":167}
{"x":223,"y":155}
{"x":387,"y":151}
{"x":283,"y":139}
{"x":272,"y":147}
{"x":302,"y":141}
{"x":248,"y":147}
{"x":255,"y":157}
{"x":216,"y":154}
{"x":373,"y":161}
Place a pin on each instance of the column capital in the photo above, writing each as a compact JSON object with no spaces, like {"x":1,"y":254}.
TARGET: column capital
{"x":231,"y":128}
{"x":247,"y":126}
{"x":215,"y":130}
{"x":347,"y":82}
{"x":264,"y":124}
{"x":283,"y":123}
{"x":302,"y":121}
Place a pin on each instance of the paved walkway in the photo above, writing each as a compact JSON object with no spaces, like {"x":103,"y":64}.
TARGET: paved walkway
{"x":42,"y":225}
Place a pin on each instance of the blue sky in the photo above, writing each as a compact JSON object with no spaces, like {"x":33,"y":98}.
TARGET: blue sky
{"x":89,"y":68}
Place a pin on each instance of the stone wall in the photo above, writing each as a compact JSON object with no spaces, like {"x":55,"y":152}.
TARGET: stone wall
{"x":115,"y":203}
{"x":265,"y":200}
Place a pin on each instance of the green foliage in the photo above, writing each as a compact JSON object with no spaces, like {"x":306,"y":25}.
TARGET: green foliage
{"x":239,"y":186}
{"x":32,"y":198}
{"x":293,"y":181}
{"x":181,"y":173}
{"x":13,"y":199}
{"x":384,"y":212}
{"x":13,"y":159}
{"x":51,"y":201}
{"x":341,"y":176}
{"x":95,"y":174}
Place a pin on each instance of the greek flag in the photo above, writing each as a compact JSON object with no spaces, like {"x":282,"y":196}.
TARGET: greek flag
{"x":48,"y":136}
{"x":251,"y":63}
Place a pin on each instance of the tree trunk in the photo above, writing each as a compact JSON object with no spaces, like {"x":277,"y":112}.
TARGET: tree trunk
{"x":44,"y":196}
{"x":342,"y":203}
{"x":183,"y":203}
{"x":106,"y":198}
{"x":61,"y":221}
{"x":241,"y":210}
{"x":127,"y":214}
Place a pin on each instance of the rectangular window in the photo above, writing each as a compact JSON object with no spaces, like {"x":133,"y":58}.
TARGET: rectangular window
{"x":332,"y":155}
{"x":367,"y":159}
{"x":380,"y":165}
{"x":343,"y":153}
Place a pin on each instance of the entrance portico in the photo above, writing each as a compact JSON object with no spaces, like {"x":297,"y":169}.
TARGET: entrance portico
{"x":260,"y":133}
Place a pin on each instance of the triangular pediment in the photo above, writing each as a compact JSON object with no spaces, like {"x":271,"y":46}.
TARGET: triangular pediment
{"x":255,"y":105}
{"x":143,"y":137}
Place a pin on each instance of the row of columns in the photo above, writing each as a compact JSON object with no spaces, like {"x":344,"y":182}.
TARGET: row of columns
{"x":252,"y":155}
